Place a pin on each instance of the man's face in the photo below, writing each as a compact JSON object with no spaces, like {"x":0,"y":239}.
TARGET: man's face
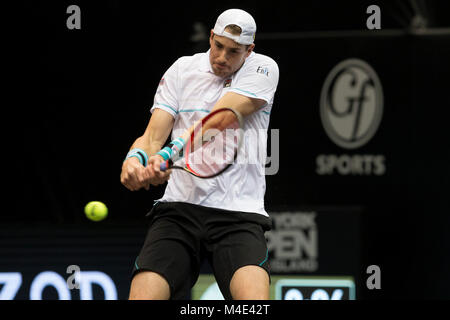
{"x":227,"y":56}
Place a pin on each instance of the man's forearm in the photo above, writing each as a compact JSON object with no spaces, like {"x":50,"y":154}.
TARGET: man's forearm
{"x":146,"y":144}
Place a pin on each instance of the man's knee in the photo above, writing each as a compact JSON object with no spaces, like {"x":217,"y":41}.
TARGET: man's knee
{"x":250,"y":283}
{"x":147,"y":285}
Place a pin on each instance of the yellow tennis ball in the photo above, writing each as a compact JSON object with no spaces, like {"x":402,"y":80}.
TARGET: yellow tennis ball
{"x":96,"y":210}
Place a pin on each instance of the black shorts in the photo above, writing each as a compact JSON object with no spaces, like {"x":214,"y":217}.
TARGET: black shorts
{"x":182,"y":235}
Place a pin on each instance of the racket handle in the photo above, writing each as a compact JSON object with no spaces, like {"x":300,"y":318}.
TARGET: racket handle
{"x":163,"y":166}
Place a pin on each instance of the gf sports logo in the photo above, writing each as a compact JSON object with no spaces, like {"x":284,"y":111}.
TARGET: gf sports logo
{"x":351,"y":103}
{"x":351,"y":108}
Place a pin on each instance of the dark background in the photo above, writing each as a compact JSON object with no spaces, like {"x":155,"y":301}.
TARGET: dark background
{"x":77,"y":99}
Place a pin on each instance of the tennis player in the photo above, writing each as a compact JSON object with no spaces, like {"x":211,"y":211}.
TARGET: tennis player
{"x":223,"y":218}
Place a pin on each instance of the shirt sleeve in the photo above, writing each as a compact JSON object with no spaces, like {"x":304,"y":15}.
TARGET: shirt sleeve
{"x":258,"y":80}
{"x":166,"y":94}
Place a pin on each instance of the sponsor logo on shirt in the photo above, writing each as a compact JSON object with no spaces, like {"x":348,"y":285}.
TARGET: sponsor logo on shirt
{"x":262,"y":70}
{"x":227,"y":83}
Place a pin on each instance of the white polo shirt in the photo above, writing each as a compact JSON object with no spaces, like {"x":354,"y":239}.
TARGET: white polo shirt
{"x":188,"y":91}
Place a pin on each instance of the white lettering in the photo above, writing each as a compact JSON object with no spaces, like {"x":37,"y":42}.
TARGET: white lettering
{"x":74,"y":20}
{"x":293,"y":294}
{"x":49,"y":278}
{"x":350,"y":165}
{"x":374,"y":281}
{"x":11,"y":283}
{"x":374,"y":20}
{"x":87,"y":278}
{"x":320,"y":294}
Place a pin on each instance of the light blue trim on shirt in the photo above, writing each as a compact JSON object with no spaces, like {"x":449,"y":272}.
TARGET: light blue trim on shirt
{"x":248,"y":92}
{"x":183,"y":110}
{"x":266,"y":112}
{"x":166,"y":105}
{"x":194,"y":110}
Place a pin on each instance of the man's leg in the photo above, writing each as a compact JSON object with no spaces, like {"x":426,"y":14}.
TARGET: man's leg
{"x":240,"y":263}
{"x":238,"y":254}
{"x":250,"y":283}
{"x":147,"y":285}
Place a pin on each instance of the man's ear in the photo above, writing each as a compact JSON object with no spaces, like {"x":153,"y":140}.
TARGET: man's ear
{"x":211,"y":37}
{"x":250,"y":49}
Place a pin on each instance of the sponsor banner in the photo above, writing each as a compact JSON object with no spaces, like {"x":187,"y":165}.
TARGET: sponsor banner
{"x":351,"y":109}
{"x":287,"y":287}
{"x":316,"y":241}
{"x":318,"y":288}
{"x":294,"y":242}
{"x":351,"y":103}
{"x":52,"y":285}
{"x":72,"y":262}
{"x":343,"y":121}
{"x":94,"y":261}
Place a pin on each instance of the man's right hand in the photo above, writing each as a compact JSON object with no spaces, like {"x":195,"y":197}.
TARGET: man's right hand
{"x":135,"y":176}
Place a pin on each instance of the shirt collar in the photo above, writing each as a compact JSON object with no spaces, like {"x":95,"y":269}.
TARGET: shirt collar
{"x":205,"y":64}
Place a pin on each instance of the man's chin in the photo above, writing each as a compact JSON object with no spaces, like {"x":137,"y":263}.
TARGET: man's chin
{"x":221,"y":73}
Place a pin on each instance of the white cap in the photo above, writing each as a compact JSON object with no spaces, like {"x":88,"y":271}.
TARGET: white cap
{"x":240,"y":18}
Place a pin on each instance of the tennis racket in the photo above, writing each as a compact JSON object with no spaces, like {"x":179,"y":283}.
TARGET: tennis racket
{"x":212,"y":147}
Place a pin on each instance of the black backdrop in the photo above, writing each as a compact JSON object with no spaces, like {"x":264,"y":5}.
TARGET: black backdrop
{"x":81,"y":97}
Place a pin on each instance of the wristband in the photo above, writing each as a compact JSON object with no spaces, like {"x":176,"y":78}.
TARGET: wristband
{"x":140,"y":154}
{"x":177,"y":146}
{"x":165,"y":153}
{"x":178,"y":143}
{"x":173,"y":148}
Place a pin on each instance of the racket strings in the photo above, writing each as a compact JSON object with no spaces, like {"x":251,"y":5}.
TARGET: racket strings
{"x":218,"y":147}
